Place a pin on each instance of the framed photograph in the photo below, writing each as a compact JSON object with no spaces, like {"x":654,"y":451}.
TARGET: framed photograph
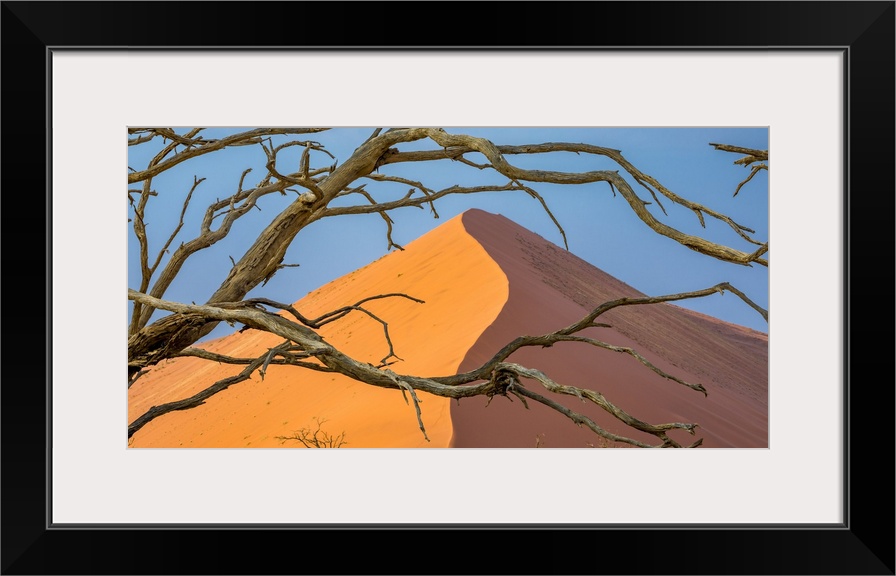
{"x":814,"y":80}
{"x":446,"y":286}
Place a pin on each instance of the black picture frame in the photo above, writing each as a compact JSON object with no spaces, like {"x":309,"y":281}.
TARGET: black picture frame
{"x":864,"y":544}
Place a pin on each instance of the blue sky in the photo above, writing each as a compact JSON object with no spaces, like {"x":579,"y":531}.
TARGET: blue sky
{"x":600,"y":228}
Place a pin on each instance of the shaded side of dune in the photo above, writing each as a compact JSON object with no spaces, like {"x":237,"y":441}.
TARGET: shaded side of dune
{"x":463,"y":289}
{"x":550,"y":288}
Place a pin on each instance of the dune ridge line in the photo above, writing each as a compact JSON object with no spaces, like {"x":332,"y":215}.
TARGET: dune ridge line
{"x":463,"y":289}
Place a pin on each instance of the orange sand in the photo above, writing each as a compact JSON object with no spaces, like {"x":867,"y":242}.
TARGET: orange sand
{"x":485,"y":281}
{"x":463,"y":290}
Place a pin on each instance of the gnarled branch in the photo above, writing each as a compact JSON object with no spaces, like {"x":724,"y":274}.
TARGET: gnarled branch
{"x":483,"y":381}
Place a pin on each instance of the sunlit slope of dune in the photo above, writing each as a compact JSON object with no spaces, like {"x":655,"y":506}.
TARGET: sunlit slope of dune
{"x":549,"y":289}
{"x":485,"y":280}
{"x":463,"y":289}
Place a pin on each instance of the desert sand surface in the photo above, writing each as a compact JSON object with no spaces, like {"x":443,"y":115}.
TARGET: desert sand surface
{"x":485,"y":280}
{"x":463,"y":289}
{"x":551,"y":288}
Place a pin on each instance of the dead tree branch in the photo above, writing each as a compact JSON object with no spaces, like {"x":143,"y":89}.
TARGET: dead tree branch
{"x":173,"y":335}
{"x":205,"y":147}
{"x":465,"y":144}
{"x":316,"y":438}
{"x":752,"y":156}
{"x":483,"y":381}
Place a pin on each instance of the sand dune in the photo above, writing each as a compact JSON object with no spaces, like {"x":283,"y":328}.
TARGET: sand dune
{"x":551,"y":288}
{"x":485,"y":280}
{"x":463,"y":290}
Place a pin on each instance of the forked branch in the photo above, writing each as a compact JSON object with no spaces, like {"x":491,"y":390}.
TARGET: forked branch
{"x":752,"y":156}
{"x":496,"y":376}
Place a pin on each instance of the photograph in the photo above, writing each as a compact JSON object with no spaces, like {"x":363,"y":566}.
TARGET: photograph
{"x":380,"y":239}
{"x":448,"y":287}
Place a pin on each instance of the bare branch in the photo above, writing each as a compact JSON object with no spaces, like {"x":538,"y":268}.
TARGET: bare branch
{"x":180,"y":224}
{"x":338,"y":314}
{"x":241,"y":139}
{"x":405,"y":386}
{"x":196,"y":400}
{"x":753,"y":172}
{"x":751,"y":154}
{"x":385,"y":216}
{"x":141,"y":139}
{"x":578,"y":418}
{"x":751,"y":157}
{"x":143,"y":243}
{"x":597,"y":398}
{"x":408,"y":201}
{"x":607,"y":306}
{"x":544,"y":205}
{"x":455,"y":146}
{"x":631,"y":352}
{"x":309,"y":343}
{"x":300,"y":178}
{"x":289,"y":358}
{"x":426,"y":191}
{"x":325,"y":318}
{"x":237,"y":206}
{"x":588,"y":321}
{"x":495,"y":155}
{"x":316,"y":438}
